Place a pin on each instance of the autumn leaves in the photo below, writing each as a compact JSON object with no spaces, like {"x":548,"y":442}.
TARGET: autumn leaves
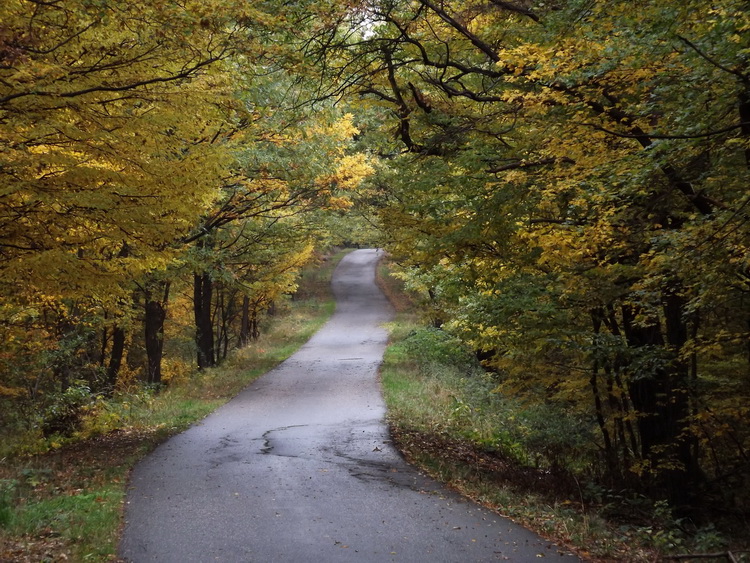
{"x":146,"y":147}
{"x":566,"y":184}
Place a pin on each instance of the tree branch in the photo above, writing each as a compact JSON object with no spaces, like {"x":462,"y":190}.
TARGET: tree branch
{"x":715,"y":63}
{"x":668,"y":137}
{"x":527,"y":164}
{"x":187,"y":73}
{"x":476,"y":41}
{"x":517,"y":9}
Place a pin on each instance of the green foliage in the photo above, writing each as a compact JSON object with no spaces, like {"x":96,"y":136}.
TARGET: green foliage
{"x":560,"y":196}
{"x":462,"y":401}
{"x":86,"y":521}
{"x":8,"y":494}
{"x":142,"y":144}
{"x":666,"y":535}
{"x":62,"y":498}
{"x":439,"y":411}
{"x":67,"y":410}
{"x":432,"y":347}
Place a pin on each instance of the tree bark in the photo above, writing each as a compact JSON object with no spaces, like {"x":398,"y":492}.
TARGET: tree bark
{"x":254,"y":330}
{"x":660,"y":398}
{"x":115,"y":357}
{"x":204,"y":334}
{"x":682,"y":479}
{"x":155,"y":315}
{"x":596,"y":318}
{"x":245,"y":322}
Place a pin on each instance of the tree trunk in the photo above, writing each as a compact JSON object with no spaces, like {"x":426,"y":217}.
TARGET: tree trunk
{"x":115,"y":357}
{"x":682,"y":479}
{"x":156,"y":313}
{"x":661,"y":400}
{"x":103,"y":344}
{"x":204,"y":333}
{"x":254,"y":330}
{"x":245,"y":322}
{"x":596,"y":318}
{"x":744,"y":110}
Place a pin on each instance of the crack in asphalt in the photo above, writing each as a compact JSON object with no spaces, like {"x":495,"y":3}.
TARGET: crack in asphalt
{"x":268,"y":448}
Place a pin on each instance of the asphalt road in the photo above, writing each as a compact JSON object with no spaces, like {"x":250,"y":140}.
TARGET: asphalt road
{"x":299,"y":467}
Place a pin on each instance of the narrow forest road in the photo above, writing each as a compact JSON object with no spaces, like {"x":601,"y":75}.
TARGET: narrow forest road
{"x":299,"y":467}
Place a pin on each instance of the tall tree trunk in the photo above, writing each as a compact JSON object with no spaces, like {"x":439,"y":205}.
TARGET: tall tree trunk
{"x":621,"y":395}
{"x":661,"y":400}
{"x":245,"y":322}
{"x":596,"y":318}
{"x":223,"y":313}
{"x":745,"y":120}
{"x":204,"y":333}
{"x":115,"y":356}
{"x":118,"y":342}
{"x":682,"y":479}
{"x":103,"y":343}
{"x":744,"y":110}
{"x":156,"y":313}
{"x":254,"y":330}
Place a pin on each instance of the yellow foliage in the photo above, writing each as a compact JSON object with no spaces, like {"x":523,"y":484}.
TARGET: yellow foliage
{"x":11,"y":391}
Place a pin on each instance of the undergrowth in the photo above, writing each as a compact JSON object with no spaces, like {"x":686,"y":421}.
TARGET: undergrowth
{"x":448,"y":416}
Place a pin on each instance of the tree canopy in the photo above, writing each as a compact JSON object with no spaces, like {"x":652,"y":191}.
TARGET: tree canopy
{"x":564,"y":183}
{"x":144,"y":144}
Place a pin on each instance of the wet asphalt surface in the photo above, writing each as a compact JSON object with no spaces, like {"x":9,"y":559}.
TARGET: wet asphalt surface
{"x":299,"y":467}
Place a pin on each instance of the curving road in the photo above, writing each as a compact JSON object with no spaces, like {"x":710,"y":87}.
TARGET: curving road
{"x":299,"y":467}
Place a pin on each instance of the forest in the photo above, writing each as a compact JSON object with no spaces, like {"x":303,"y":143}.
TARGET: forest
{"x":562,"y":187}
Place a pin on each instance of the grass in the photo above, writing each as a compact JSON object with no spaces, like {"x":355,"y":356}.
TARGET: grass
{"x":66,"y":503}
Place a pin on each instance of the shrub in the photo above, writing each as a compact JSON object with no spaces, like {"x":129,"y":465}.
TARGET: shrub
{"x":67,"y":410}
{"x":8,"y":494}
{"x":432,"y":346}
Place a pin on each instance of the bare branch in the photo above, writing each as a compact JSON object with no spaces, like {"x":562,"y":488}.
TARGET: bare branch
{"x":476,"y":41}
{"x":531,"y":164}
{"x":187,"y":73}
{"x":668,"y":137}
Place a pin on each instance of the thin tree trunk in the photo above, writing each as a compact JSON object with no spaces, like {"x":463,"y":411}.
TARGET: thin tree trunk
{"x":617,"y":367}
{"x":115,"y":357}
{"x":254,"y":330}
{"x":245,"y":322}
{"x":103,"y":344}
{"x":204,"y":334}
{"x":596,"y":318}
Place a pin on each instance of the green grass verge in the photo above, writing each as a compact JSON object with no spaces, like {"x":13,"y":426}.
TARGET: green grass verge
{"x":66,"y":504}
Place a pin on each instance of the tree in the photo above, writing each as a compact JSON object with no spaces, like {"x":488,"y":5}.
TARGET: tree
{"x":117,"y":123}
{"x":571,"y":205}
{"x":284,"y":179}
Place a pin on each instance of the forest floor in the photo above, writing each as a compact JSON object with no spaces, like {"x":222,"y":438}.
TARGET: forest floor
{"x":69,"y":473}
